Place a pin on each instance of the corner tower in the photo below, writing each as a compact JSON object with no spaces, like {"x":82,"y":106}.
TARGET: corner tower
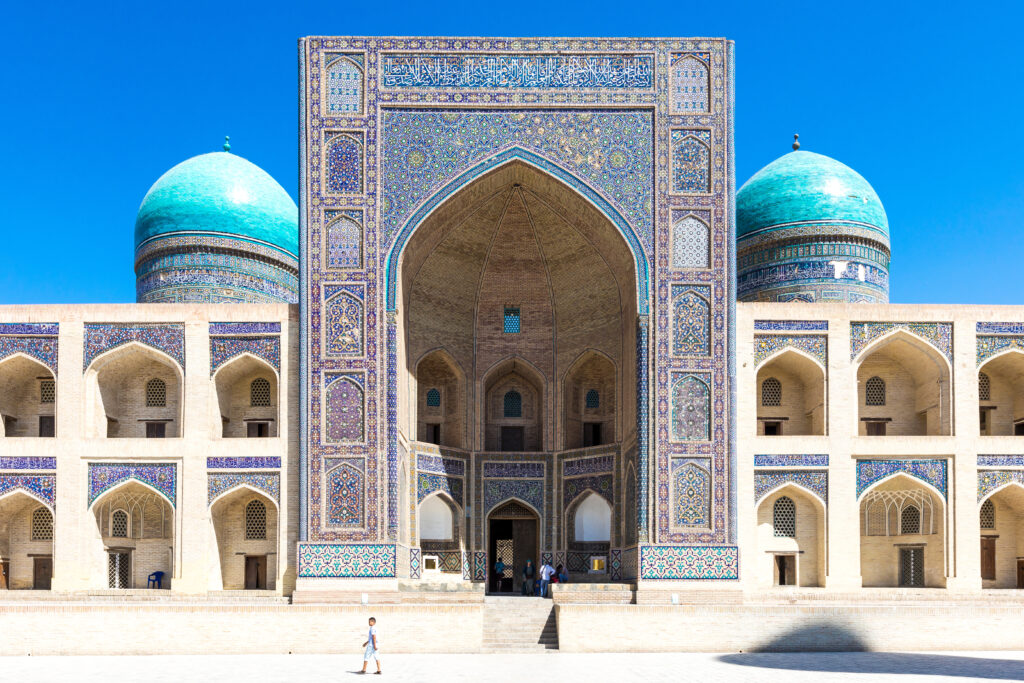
{"x":217,"y":228}
{"x":810,"y":228}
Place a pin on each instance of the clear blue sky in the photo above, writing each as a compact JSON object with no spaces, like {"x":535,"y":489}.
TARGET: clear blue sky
{"x":99,"y":99}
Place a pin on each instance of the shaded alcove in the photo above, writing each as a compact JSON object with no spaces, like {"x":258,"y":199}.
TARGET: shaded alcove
{"x":1001,"y":395}
{"x":791,"y":395}
{"x":133,"y":391}
{"x":27,"y":398}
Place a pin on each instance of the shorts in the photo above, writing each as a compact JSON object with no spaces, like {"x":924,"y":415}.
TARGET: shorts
{"x":371,"y":653}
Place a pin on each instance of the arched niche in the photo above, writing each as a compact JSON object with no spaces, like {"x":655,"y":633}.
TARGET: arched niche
{"x":440,"y":400}
{"x":1001,"y":523}
{"x":589,"y":401}
{"x":1002,"y":413}
{"x":135,"y":526}
{"x":247,"y":398}
{"x":588,"y":526}
{"x":26,"y":541}
{"x":902,"y":524}
{"x":513,"y":407}
{"x":796,"y":404}
{"x":790,"y":538}
{"x":917,"y":388}
{"x":27,"y":398}
{"x":118,"y":404}
{"x":245,"y":525}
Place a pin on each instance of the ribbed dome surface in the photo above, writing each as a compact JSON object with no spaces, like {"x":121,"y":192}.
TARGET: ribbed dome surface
{"x":807,"y":187}
{"x":221,"y":193}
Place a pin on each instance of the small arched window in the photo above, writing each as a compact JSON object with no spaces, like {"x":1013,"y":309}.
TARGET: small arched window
{"x":784,"y":517}
{"x":771,"y":392}
{"x":988,"y":515}
{"x":42,"y":525}
{"x":910,"y":520}
{"x":156,"y":393}
{"x":874,"y":392}
{"x":255,"y":521}
{"x":119,"y":524}
{"x":259,"y":393}
{"x":513,"y":404}
{"x":434,"y":398}
{"x":593,"y":400}
{"x":984,"y":387}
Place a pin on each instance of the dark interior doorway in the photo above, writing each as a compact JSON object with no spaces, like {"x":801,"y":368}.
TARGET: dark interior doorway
{"x":42,"y":573}
{"x":785,"y":570}
{"x":512,"y":537}
{"x":255,"y":572}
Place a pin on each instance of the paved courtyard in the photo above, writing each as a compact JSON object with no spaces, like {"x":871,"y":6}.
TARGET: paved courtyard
{"x":904,"y":667}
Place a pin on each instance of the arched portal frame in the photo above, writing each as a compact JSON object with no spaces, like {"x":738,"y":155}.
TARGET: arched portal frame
{"x":20,"y":546}
{"x":531,"y":553}
{"x":1004,"y":409}
{"x":1003,"y":541}
{"x":799,"y":363}
{"x":928,"y":358}
{"x":237,"y":363}
{"x":27,"y":401}
{"x":226,"y":550}
{"x":459,"y":531}
{"x":764,"y":509}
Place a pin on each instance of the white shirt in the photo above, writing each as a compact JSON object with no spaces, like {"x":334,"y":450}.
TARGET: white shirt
{"x":546,"y":572}
{"x":373,"y":632}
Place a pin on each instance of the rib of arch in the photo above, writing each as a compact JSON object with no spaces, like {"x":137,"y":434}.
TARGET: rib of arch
{"x":121,"y":483}
{"x":247,"y":486}
{"x":15,"y":490}
{"x":444,"y":495}
{"x":584,"y":492}
{"x":792,"y":484}
{"x":544,"y":165}
{"x":909,"y":475}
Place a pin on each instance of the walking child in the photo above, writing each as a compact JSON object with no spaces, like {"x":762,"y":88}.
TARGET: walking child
{"x":372,"y":647}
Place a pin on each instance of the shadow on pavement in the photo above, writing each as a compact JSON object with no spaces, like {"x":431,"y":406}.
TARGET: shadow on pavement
{"x":830,"y":648}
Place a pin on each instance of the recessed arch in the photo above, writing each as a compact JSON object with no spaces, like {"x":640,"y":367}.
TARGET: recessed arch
{"x":441,"y":417}
{"x":1000,"y":488}
{"x":243,"y":487}
{"x":796,"y":487}
{"x":128,"y":483}
{"x":246,"y":538}
{"x":25,"y":412}
{"x":20,"y":491}
{"x":797,"y":559}
{"x":233,"y":414}
{"x":801,"y":403}
{"x":1001,"y":412}
{"x":115,"y":387}
{"x":910,"y":479}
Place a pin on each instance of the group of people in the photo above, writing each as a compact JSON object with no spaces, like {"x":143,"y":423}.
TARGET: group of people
{"x":536,"y":580}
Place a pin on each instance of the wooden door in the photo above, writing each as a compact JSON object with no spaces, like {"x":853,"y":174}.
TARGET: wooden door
{"x":1020,"y":573}
{"x":255,"y":572}
{"x":42,"y":573}
{"x":988,"y":557}
{"x":5,"y":571}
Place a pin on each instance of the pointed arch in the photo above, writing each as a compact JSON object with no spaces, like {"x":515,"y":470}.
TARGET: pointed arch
{"x":796,"y":352}
{"x":245,"y":355}
{"x":815,"y":497}
{"x":512,"y":499}
{"x":128,"y":482}
{"x":691,"y":243}
{"x":124,"y":350}
{"x":691,"y":408}
{"x":344,"y":496}
{"x":911,"y":479}
{"x":343,"y":411}
{"x":1001,"y":487}
{"x":241,"y":487}
{"x":22,"y":491}
{"x":897,"y":333}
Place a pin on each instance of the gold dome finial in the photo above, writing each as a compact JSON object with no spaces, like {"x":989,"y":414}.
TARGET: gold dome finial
{"x":796,"y":141}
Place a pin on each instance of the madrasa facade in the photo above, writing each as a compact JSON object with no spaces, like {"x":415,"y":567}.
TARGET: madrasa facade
{"x":520,"y":311}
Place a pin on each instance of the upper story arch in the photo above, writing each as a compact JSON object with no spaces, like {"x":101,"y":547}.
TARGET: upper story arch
{"x":1001,"y":408}
{"x":28,"y":397}
{"x":791,"y":391}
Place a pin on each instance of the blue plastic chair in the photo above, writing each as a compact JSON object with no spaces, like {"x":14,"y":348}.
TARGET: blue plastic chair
{"x":156,"y":578}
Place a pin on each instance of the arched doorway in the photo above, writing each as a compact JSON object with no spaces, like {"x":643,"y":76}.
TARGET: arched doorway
{"x":27,"y":398}
{"x":513,"y":535}
{"x":1001,"y":519}
{"x":791,"y":538}
{"x":1001,"y":395}
{"x":136,"y":526}
{"x":26,"y":542}
{"x":790,"y":396}
{"x":245,"y":525}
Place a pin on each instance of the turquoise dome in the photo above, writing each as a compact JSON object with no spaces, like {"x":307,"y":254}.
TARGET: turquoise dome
{"x":804,"y":187}
{"x":220,"y":194}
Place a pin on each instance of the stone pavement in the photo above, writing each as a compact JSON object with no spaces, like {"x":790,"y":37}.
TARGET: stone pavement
{"x":556,"y":668}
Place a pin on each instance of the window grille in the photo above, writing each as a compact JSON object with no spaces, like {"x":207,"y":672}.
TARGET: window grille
{"x":511,"y":320}
{"x":771,"y":392}
{"x":255,"y":521}
{"x":910,"y":520}
{"x":259,"y":393}
{"x":513,"y":404}
{"x":984,"y":387}
{"x":593,"y":399}
{"x":119,"y":524}
{"x":42,"y":525}
{"x":434,"y":398}
{"x":156,"y":393}
{"x":988,"y":515}
{"x":874,"y":392}
{"x":912,"y":567}
{"x":875,"y":522}
{"x":784,"y":517}
{"x":118,"y":575}
{"x":47,"y":391}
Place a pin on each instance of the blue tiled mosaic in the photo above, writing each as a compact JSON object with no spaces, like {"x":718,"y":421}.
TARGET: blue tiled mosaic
{"x":767,"y":481}
{"x":440,"y":465}
{"x":999,"y":328}
{"x":105,"y":476}
{"x":599,"y":464}
{"x":929,"y":471}
{"x":253,"y":462}
{"x":224,"y":349}
{"x":990,"y":480}
{"x":42,"y":486}
{"x":940,"y":335}
{"x":245,"y":328}
{"x":13,"y":462}
{"x":38,"y":329}
{"x":267,"y":483}
{"x":791,"y":460}
{"x":521,"y":470}
{"x":43,"y":349}
{"x":102,"y":337}
{"x":427,"y":484}
{"x":1001,"y":461}
{"x":791,"y":325}
{"x":992,"y":346}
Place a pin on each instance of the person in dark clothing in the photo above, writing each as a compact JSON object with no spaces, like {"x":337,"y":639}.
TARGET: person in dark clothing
{"x":528,"y":574}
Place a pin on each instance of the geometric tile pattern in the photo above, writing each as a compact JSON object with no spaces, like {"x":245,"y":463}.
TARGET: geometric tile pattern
{"x":604,"y":463}
{"x":691,"y":493}
{"x":439,"y":465}
{"x":527,"y":490}
{"x":42,"y":486}
{"x":43,"y":349}
{"x":816,"y":346}
{"x":815,"y":481}
{"x":105,"y":476}
{"x":344,"y":163}
{"x":244,"y":328}
{"x":101,"y":337}
{"x":791,"y":460}
{"x":267,"y":483}
{"x":990,"y":346}
{"x":252,"y":462}
{"x":691,"y":161}
{"x":929,"y":471}
{"x":990,"y":480}
{"x":345,"y":496}
{"x":479,"y":565}
{"x":343,"y":325}
{"x":691,"y":407}
{"x":223,"y":349}
{"x":703,"y":562}
{"x":940,"y":335}
{"x":351,"y":561}
{"x":791,"y":325}
{"x":414,"y":563}
{"x":600,"y":484}
{"x":344,"y":239}
{"x":689,"y":84}
{"x":14,"y":462}
{"x":615,"y":563}
{"x":691,"y":310}
{"x":691,"y":244}
{"x":522,"y":470}
{"x":344,"y":85}
{"x":344,"y":413}
{"x":429,"y":483}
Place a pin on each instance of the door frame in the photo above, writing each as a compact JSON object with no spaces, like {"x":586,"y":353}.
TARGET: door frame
{"x":535,"y":517}
{"x":261,"y":572}
{"x":35,"y":569}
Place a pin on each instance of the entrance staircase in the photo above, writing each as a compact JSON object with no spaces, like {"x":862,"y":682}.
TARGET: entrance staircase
{"x":519,"y":624}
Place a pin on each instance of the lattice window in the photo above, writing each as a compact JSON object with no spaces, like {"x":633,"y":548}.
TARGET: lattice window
{"x":690,"y":244}
{"x":513,"y":404}
{"x":988,"y":515}
{"x":513,"y":509}
{"x":156,"y":393}
{"x":511,"y":323}
{"x":255,"y":521}
{"x":42,"y":525}
{"x":259,"y":393}
{"x":593,"y":399}
{"x":984,"y":387}
{"x":434,"y":398}
{"x":912,"y":567}
{"x":118,"y":570}
{"x":119,"y":524}
{"x":875,"y":520}
{"x":784,"y":517}
{"x":505,"y":551}
{"x":874,"y":392}
{"x":47,"y":391}
{"x":910,"y":520}
{"x":771,"y":392}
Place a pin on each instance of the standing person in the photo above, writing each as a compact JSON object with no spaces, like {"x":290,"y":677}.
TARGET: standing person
{"x":546,"y":570}
{"x":528,"y":572}
{"x":372,"y":647}
{"x":499,"y":573}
